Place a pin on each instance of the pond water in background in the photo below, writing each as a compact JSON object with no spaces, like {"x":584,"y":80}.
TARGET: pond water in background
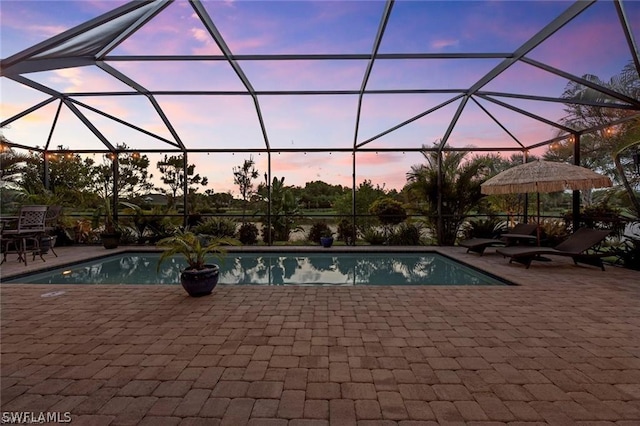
{"x":261,"y":268}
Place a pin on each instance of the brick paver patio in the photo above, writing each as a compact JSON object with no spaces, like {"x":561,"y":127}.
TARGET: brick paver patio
{"x":563,"y":347}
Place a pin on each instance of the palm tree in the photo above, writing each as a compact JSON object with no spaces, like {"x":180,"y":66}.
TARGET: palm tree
{"x":451,"y":199}
{"x":605,"y":150}
{"x":243,"y":176}
{"x":11,"y":164}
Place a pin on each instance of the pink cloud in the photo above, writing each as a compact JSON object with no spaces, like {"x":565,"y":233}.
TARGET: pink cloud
{"x":442,"y":44}
{"x":377,"y":159}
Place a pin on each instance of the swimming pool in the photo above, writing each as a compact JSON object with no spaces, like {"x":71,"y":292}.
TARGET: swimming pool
{"x":261,"y":268}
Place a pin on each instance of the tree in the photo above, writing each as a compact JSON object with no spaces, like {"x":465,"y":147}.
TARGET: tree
{"x":103,"y":178}
{"x":70,"y":177}
{"x":133,"y":174}
{"x":173,"y":175}
{"x":243,"y":176}
{"x":11,"y":166}
{"x":617,"y":158}
{"x":284,"y":210}
{"x":133,"y":177}
{"x":221,"y":199}
{"x":66,"y":171}
{"x":319,"y":194}
{"x":599,"y":150}
{"x":389,"y":212}
{"x":366,"y":194}
{"x":459,"y":189}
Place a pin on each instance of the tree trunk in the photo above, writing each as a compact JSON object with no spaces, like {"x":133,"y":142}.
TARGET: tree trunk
{"x":625,"y":183}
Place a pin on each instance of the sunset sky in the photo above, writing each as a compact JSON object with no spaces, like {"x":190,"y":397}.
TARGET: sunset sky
{"x":591,"y":44}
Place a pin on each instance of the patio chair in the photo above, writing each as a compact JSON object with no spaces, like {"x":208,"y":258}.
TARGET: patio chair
{"x":26,"y":236}
{"x":48,"y":241}
{"x":51,"y":219}
{"x":577,"y":246}
{"x":519,"y":233}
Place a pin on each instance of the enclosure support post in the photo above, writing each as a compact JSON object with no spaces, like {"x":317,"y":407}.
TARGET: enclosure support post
{"x":576,"y":194}
{"x":353,"y":198}
{"x":115,"y":170}
{"x":440,"y":222}
{"x":525,"y":216}
{"x":269,"y":203}
{"x":185,"y":189}
{"x":46,"y":176}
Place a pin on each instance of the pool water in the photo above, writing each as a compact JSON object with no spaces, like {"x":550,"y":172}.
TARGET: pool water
{"x":340,"y":269}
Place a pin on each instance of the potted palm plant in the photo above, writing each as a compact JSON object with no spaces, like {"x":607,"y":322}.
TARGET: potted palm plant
{"x":320,"y":231}
{"x":200,"y":277}
{"x":111,"y":233}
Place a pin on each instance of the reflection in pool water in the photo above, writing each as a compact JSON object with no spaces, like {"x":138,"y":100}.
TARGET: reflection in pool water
{"x":277,"y":269}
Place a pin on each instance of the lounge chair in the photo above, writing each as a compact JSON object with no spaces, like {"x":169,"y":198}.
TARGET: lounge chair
{"x":576,"y":246}
{"x":519,"y":233}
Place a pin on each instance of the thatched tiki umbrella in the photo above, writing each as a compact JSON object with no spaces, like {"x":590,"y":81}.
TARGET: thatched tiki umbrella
{"x":543,"y":176}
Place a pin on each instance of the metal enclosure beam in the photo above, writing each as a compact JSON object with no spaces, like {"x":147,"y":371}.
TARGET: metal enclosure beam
{"x":628,"y":34}
{"x":217,"y":37}
{"x":574,"y":10}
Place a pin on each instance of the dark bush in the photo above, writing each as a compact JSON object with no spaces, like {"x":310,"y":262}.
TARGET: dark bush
{"x":374,"y":237}
{"x":628,"y":253}
{"x":248,"y":233}
{"x":490,"y":227}
{"x":194,"y":219}
{"x":319,"y":229}
{"x":216,"y":227}
{"x":346,"y":232}
{"x":553,"y":232}
{"x":600,"y":216}
{"x":388,"y":211}
{"x":407,"y":234}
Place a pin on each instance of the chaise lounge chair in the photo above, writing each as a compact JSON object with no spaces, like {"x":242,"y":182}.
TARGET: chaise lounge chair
{"x":576,"y":246}
{"x":520,"y":232}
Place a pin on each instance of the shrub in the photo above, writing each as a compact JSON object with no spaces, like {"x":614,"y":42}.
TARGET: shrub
{"x":374,"y":236}
{"x":627,"y":249}
{"x":248,"y":233}
{"x":319,"y":229}
{"x":128,"y":235}
{"x":600,"y":216}
{"x":346,"y":232}
{"x":388,"y":211}
{"x":216,"y":227}
{"x":553,"y":232}
{"x":194,"y":219}
{"x":490,"y":227}
{"x":407,"y":234}
{"x":603,"y":216}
